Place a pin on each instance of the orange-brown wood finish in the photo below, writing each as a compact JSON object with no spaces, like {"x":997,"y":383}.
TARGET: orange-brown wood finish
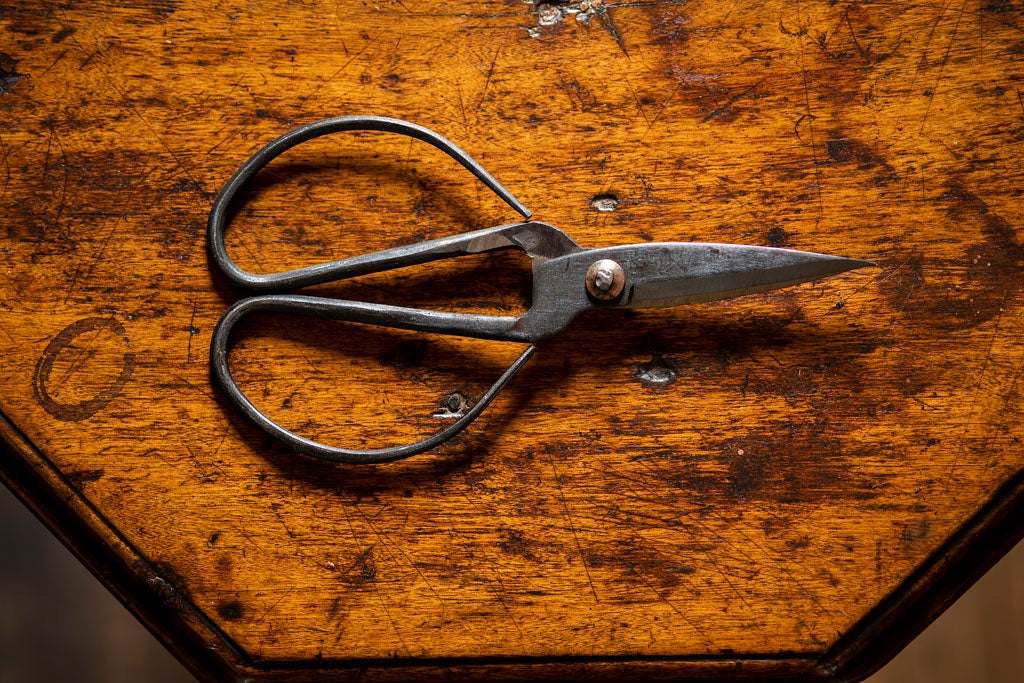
{"x":782,"y":485}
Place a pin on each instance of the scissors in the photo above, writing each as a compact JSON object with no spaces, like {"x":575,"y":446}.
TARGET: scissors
{"x":567,"y":280}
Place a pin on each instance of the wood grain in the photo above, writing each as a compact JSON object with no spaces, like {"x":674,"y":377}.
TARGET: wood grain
{"x":730,"y":489}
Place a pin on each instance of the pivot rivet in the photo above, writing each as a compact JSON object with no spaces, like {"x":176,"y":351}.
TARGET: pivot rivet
{"x":605,"y":280}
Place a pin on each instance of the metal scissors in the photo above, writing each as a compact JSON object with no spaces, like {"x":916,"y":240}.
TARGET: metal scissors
{"x":567,"y":280}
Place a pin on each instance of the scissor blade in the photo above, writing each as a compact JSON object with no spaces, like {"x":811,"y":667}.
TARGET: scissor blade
{"x":673,"y":273}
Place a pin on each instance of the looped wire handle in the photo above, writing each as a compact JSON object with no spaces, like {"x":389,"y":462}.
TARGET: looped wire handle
{"x":311,"y":275}
{"x":268,"y":303}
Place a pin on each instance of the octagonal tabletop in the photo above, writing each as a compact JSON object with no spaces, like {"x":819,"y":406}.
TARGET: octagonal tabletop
{"x":788,"y":484}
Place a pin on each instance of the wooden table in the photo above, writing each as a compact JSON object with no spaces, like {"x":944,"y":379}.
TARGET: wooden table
{"x":785,"y":485}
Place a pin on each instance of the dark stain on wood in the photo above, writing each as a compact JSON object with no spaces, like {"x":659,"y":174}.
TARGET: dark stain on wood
{"x":231,"y":611}
{"x":72,"y":412}
{"x":775,"y":465}
{"x":778,"y":237}
{"x":992,"y":270}
{"x":913,"y":532}
{"x":363,"y":569}
{"x":61,"y":35}
{"x":515,"y":543}
{"x":85,"y":476}
{"x":843,"y":149}
{"x":8,"y":76}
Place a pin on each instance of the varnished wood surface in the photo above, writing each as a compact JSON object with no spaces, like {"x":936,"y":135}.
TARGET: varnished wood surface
{"x":752,"y":486}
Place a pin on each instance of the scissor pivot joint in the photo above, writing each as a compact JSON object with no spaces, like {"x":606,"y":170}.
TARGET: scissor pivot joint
{"x":605,"y":280}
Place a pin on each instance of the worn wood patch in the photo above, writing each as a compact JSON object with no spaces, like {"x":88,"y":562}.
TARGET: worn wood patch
{"x":720,"y":490}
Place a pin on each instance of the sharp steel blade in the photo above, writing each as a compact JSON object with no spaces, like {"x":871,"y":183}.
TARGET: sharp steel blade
{"x":673,"y":273}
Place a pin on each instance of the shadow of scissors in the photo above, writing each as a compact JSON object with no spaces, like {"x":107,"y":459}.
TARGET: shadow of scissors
{"x":567,"y":280}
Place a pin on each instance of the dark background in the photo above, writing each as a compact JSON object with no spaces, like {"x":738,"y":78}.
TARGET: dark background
{"x":58,"y":623}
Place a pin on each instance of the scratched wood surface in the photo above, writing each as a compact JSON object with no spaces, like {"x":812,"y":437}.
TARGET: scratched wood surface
{"x":721,"y":490}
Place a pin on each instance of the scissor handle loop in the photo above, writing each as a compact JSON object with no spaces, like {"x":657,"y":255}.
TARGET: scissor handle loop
{"x":338,"y":310}
{"x":311,"y":275}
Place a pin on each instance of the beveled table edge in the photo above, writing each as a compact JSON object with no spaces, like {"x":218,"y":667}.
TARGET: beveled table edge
{"x":210,"y":654}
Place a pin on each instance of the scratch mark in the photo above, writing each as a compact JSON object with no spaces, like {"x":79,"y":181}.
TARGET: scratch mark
{"x":746,"y":558}
{"x":249,"y":250}
{"x":203,"y":391}
{"x":952,"y":152}
{"x":1009,"y":388}
{"x":462,"y":106}
{"x":922,"y":59}
{"x":394,"y":625}
{"x":664,"y":104}
{"x":975,"y":398}
{"x":54,"y":62}
{"x":606,"y":17}
{"x":490,"y":72}
{"x":810,"y":125}
{"x":46,"y":155}
{"x":220,"y":445}
{"x":199,"y":465}
{"x":931,"y":34}
{"x":6,"y":164}
{"x":376,"y":588}
{"x":227,"y":139}
{"x":408,"y":559}
{"x":636,"y":99}
{"x":191,"y":331}
{"x":885,"y":275}
{"x":572,"y":528}
{"x":61,"y":203}
{"x":508,"y":612}
{"x":499,"y":594}
{"x":178,"y":164}
{"x":343,"y":67}
{"x":796,"y":126}
{"x":780,"y":564}
{"x":927,"y":405}
{"x":103,"y":246}
{"x":244,"y":534}
{"x":942,"y":66}
{"x":85,"y":353}
{"x":271,"y":608}
{"x":854,"y":36}
{"x":673,"y":607}
{"x":721,"y":110}
{"x":88,"y":58}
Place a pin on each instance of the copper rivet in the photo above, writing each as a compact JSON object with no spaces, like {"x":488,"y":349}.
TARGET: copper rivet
{"x":605,"y":280}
